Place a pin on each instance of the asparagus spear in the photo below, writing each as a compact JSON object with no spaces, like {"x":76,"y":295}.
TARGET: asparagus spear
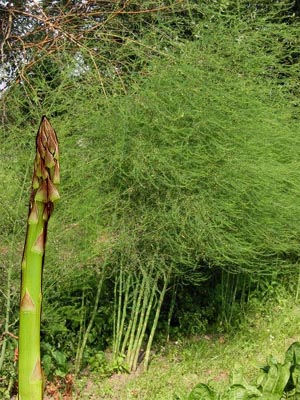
{"x":44,"y":194}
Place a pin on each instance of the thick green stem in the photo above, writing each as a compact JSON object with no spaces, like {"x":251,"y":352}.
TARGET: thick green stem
{"x":44,"y":194}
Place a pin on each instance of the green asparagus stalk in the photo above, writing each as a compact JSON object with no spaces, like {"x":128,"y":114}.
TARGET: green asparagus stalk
{"x":44,"y":194}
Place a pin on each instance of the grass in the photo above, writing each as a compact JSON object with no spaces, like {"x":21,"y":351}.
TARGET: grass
{"x":179,"y":366}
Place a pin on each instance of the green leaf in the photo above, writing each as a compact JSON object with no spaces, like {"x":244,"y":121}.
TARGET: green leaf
{"x":293,"y":354}
{"x":253,"y":391}
{"x":261,"y":379}
{"x":292,"y":394}
{"x":270,"y":381}
{"x":236,"y":392}
{"x":270,"y":396}
{"x":202,"y":392}
{"x":295,"y":374}
{"x":237,"y":377}
{"x":47,"y":363}
{"x":283,"y":377}
{"x":276,"y":378}
{"x":271,"y":360}
{"x":59,"y":373}
{"x":60,"y":358}
{"x":241,"y":392}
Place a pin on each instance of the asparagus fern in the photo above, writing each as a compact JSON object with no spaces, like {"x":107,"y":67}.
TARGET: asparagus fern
{"x":44,"y":194}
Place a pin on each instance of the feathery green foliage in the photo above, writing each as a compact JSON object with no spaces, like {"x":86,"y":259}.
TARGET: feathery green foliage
{"x":196,"y":168}
{"x":192,"y":170}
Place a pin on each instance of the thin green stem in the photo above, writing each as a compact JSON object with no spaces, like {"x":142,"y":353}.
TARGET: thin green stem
{"x":124,"y":313}
{"x":144,"y":320}
{"x":81,"y":330}
{"x":136,"y":313}
{"x":141,"y":317}
{"x":90,"y":324}
{"x":298,"y":286}
{"x":130,"y":323}
{"x":155,"y":321}
{"x":7,"y":315}
{"x":171,"y":309}
{"x":118,"y":314}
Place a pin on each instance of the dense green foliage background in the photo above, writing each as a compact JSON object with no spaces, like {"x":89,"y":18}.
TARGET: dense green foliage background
{"x":182,"y":166}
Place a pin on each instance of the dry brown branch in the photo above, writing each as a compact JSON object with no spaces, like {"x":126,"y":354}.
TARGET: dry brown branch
{"x":32,"y":32}
{"x":6,"y":31}
{"x":8,"y":334}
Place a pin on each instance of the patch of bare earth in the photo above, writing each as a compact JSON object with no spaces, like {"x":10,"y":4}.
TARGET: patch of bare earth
{"x":115,"y":387}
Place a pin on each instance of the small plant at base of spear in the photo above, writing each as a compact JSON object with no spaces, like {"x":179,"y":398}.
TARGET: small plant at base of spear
{"x":44,"y":194}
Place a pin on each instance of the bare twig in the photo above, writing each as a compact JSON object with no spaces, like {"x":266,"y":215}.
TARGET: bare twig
{"x":7,"y":32}
{"x":8,"y":334}
{"x":32,"y":30}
